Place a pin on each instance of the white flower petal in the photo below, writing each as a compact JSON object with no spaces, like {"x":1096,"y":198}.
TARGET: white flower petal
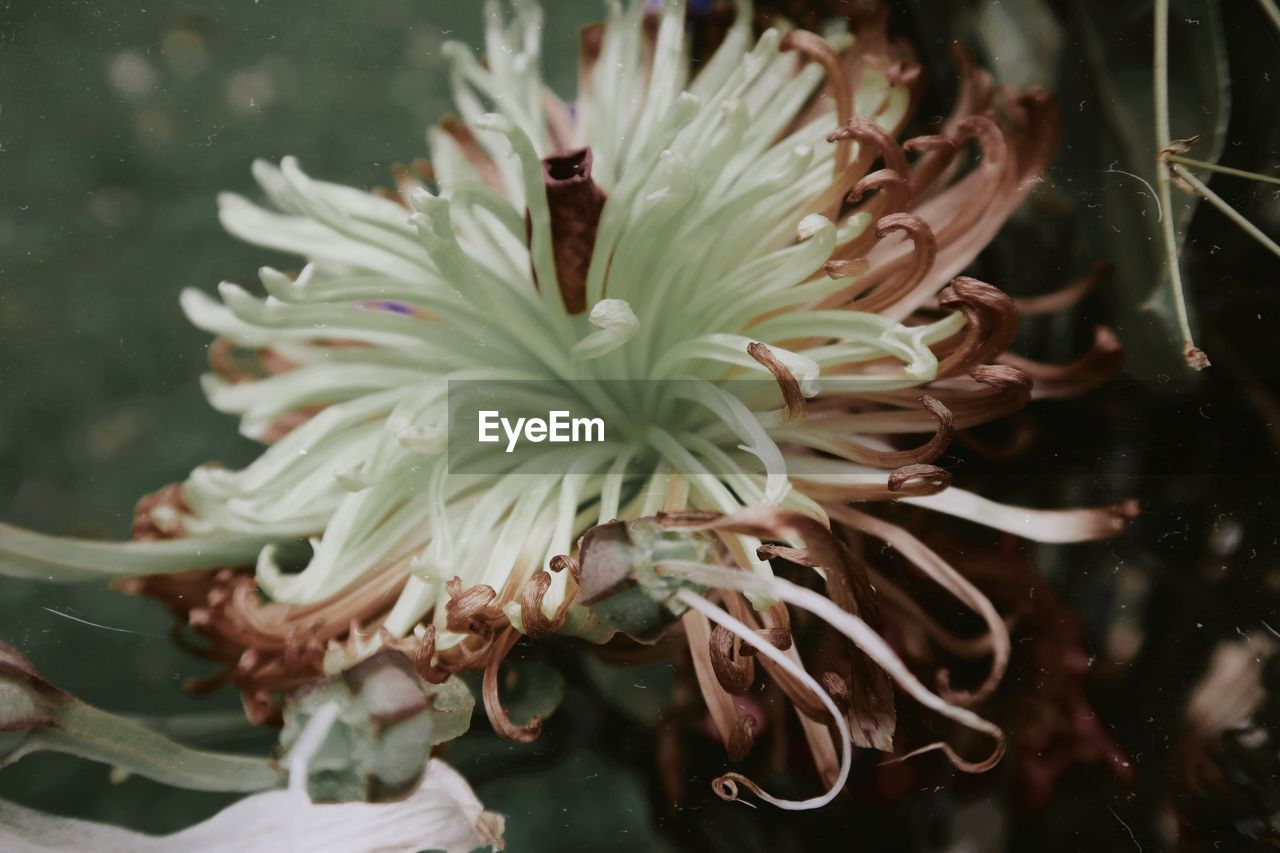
{"x":442,"y":814}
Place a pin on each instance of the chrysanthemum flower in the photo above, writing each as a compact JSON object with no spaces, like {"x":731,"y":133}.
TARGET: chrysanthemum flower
{"x":678,"y":225}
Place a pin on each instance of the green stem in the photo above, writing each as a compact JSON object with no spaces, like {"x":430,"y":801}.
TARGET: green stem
{"x":1272,"y":11}
{"x":1231,"y":213}
{"x":203,"y":727}
{"x":1160,"y":67}
{"x":1225,"y":170}
{"x":91,"y":733}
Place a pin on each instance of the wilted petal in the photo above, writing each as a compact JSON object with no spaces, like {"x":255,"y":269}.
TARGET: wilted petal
{"x":443,"y":813}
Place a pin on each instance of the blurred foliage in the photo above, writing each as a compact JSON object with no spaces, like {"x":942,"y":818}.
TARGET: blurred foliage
{"x":1098,"y":200}
{"x":1120,"y":218}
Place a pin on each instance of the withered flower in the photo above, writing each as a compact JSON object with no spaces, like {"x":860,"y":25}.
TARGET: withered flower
{"x":759,"y":218}
{"x":1225,"y":783}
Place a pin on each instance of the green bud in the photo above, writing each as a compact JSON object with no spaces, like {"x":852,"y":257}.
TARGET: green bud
{"x":27,"y":702}
{"x":388,"y":720}
{"x":619,"y":583}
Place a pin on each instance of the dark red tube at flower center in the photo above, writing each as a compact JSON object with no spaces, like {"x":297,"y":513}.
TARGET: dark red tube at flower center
{"x":575,"y":203}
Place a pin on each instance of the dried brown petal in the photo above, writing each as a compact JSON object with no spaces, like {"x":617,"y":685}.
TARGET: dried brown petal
{"x":742,"y":739}
{"x":846,"y":269}
{"x":159,"y":515}
{"x":492,"y":704}
{"x":808,"y":705}
{"x":536,"y":624}
{"x":799,"y":556}
{"x":470,"y":611}
{"x":893,"y":187}
{"x":560,"y":562}
{"x":942,"y":573}
{"x":779,"y":638}
{"x":697,"y":629}
{"x":992,"y":324}
{"x":816,"y":48}
{"x":838,"y":688}
{"x":925,"y":252}
{"x":1103,"y":361}
{"x":827,"y":434}
{"x":885,"y":292}
{"x":875,"y":137}
{"x":735,"y":672}
{"x":1064,"y":298}
{"x":225,"y":362}
{"x":966,"y":215}
{"x":918,"y":479}
{"x":792,"y":397}
{"x":872,"y":713}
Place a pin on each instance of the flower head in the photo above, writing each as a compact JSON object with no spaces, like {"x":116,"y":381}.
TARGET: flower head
{"x":673,"y":229}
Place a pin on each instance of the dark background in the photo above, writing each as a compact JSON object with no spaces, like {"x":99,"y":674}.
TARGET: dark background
{"x":120,"y":122}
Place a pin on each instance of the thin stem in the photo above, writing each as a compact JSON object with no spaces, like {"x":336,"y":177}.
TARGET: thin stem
{"x":1272,"y":11}
{"x":1225,"y":170}
{"x":95,"y":734}
{"x":1193,"y":355}
{"x":1231,"y":213}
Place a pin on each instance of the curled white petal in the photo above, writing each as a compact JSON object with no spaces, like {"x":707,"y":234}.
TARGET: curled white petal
{"x":442,"y":814}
